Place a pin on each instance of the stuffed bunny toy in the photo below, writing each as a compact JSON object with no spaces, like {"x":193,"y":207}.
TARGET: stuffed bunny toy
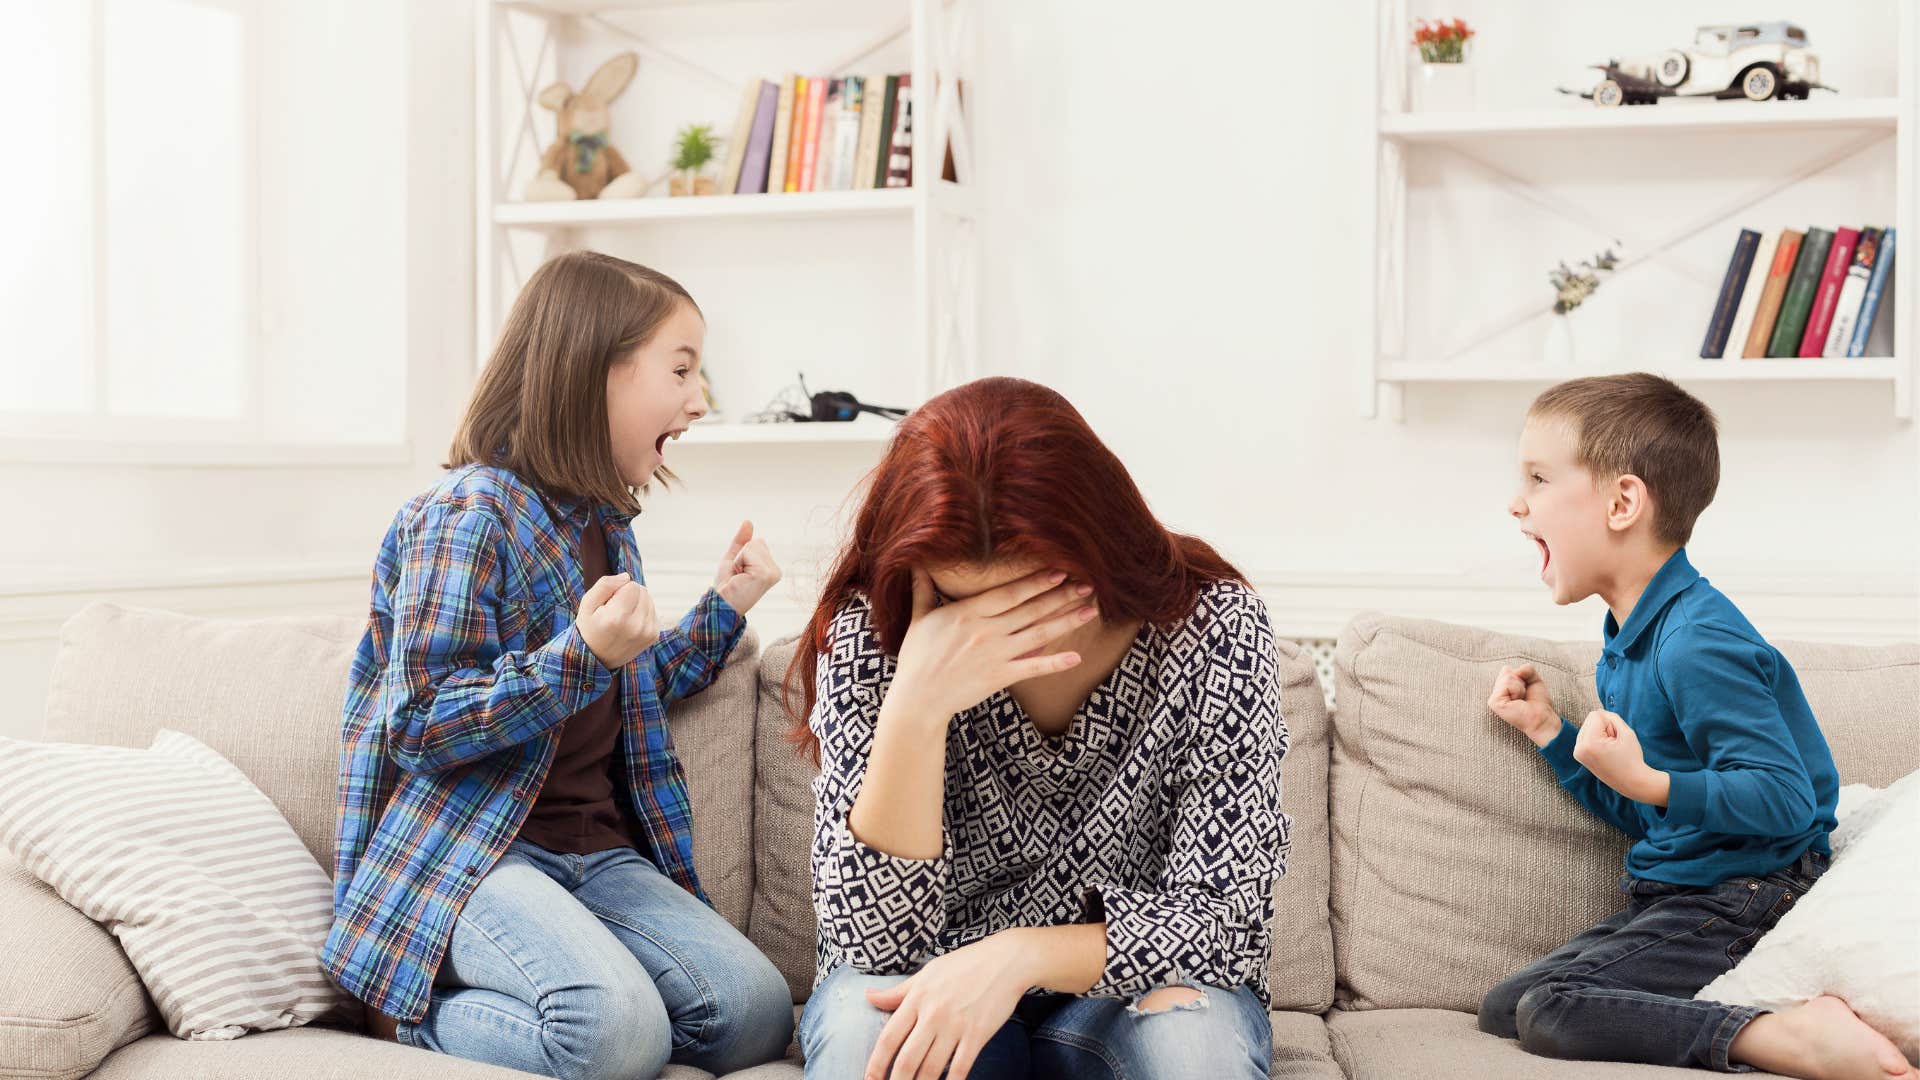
{"x":581,"y":164}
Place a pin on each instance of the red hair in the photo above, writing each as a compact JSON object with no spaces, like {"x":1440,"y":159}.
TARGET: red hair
{"x":1001,"y":469}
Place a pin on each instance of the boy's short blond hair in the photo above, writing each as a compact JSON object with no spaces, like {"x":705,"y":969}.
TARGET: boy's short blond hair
{"x":1647,"y":426}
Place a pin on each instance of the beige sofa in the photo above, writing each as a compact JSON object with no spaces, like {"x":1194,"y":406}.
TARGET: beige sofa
{"x":1432,"y":852}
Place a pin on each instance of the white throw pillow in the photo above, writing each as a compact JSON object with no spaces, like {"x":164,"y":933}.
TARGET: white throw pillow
{"x":218,"y":905}
{"x":1856,"y":935}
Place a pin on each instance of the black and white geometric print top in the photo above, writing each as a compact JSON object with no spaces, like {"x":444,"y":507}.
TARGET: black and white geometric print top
{"x":1158,"y":811}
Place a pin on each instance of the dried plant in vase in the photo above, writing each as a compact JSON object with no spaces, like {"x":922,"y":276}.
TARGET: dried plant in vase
{"x":694,"y":148}
{"x":1571,"y":287}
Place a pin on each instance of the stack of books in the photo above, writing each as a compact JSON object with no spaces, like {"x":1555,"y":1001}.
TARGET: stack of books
{"x":822,"y":134}
{"x":1800,"y":293}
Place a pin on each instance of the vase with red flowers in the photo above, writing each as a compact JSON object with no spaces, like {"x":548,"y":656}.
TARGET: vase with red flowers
{"x":1443,"y":79}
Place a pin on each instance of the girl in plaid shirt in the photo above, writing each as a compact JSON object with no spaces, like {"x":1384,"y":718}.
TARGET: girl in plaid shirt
{"x":514,"y":876}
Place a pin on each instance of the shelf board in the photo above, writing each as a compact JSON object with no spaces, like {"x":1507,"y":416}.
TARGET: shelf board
{"x":592,"y":212}
{"x":1825,"y":112}
{"x":727,"y":433}
{"x":576,"y":8}
{"x":1857,"y":369}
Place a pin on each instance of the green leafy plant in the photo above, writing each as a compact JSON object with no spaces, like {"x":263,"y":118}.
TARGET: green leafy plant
{"x":693,"y":147}
{"x":1571,"y":286}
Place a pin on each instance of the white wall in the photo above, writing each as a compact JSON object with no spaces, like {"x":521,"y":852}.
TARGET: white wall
{"x":1176,"y":242}
{"x":1178,"y":227}
{"x":1242,"y":277}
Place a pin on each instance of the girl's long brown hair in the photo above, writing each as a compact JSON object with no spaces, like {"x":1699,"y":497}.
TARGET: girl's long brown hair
{"x":540,"y":407}
{"x":1000,"y":469}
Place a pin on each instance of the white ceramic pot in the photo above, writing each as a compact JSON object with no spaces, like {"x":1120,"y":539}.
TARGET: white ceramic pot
{"x":1557,"y":350}
{"x":1442,"y":87}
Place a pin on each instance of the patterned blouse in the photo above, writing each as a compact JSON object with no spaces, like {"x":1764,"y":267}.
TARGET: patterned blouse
{"x":1158,"y":811}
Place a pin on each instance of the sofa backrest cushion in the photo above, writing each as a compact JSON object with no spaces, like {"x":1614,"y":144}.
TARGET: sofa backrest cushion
{"x":1457,"y":858}
{"x":267,"y":694}
{"x":783,"y":923}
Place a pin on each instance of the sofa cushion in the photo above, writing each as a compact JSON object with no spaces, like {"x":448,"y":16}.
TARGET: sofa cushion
{"x":1301,"y":976}
{"x":218,"y":904}
{"x":1457,"y":859}
{"x":1836,"y":940}
{"x":1438,"y":1044}
{"x":1302,"y":973}
{"x":264,"y":693}
{"x":68,"y":994}
{"x":713,"y":735}
{"x":1301,"y":1050}
{"x":782,"y":923}
{"x":308,"y":1053}
{"x":267,"y":694}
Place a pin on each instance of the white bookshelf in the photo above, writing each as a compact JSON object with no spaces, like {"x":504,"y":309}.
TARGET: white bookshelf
{"x":1879,"y":129}
{"x":928,"y":340}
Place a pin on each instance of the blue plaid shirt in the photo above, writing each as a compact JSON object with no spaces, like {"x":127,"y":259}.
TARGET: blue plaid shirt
{"x":469,"y":664}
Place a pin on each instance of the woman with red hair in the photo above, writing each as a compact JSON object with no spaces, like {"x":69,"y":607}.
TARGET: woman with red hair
{"x":1047,"y":825}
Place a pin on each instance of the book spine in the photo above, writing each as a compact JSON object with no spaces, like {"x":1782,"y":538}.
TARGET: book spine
{"x":737,"y":142}
{"x":1827,"y":296}
{"x":1750,"y":296}
{"x":1768,"y":310}
{"x":847,"y":135}
{"x":949,"y":169}
{"x":753,"y":171}
{"x":1798,"y":303}
{"x":900,"y":147}
{"x":883,"y":150}
{"x":802,"y":93}
{"x":1870,"y":305}
{"x":828,"y":141}
{"x":810,"y":153}
{"x":1732,"y":285}
{"x":873,"y":94}
{"x":782,"y":137}
{"x":1852,"y":291}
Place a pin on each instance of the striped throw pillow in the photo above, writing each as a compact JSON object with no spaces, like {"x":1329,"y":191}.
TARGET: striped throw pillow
{"x":218,"y":905}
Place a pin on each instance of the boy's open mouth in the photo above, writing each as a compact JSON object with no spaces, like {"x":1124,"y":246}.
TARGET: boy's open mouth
{"x":1546,"y":553}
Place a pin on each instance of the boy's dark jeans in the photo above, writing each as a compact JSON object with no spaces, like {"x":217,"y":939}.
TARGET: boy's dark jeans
{"x":1623,"y":991}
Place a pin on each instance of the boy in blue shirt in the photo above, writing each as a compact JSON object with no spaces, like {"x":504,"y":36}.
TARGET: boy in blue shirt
{"x":1704,"y":752}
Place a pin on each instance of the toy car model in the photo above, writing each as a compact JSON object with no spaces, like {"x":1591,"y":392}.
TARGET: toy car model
{"x":1755,"y":61}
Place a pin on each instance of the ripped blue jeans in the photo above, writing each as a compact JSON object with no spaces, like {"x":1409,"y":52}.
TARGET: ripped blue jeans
{"x":1223,"y":1036}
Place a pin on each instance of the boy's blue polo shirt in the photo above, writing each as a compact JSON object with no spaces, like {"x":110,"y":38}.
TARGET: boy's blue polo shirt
{"x":1721,"y":711}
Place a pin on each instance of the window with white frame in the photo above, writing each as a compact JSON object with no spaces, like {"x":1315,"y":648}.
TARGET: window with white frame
{"x":206,"y":235}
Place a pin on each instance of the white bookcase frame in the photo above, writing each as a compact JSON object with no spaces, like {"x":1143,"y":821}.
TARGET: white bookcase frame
{"x":946,"y":216}
{"x":1399,"y":133}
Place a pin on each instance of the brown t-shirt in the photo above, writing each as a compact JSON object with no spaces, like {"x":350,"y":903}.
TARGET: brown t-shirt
{"x":581,"y":809}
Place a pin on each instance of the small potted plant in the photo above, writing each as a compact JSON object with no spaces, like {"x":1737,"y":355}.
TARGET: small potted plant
{"x":693,"y":151}
{"x":1444,"y":80}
